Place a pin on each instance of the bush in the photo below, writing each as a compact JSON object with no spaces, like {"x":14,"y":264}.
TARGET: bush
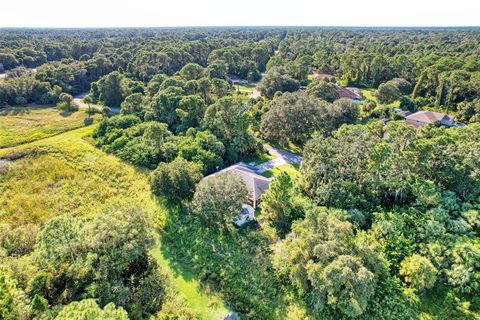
{"x":176,"y":180}
{"x":387,"y":93}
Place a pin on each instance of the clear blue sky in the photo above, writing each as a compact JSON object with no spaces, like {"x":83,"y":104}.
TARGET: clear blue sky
{"x":158,"y":13}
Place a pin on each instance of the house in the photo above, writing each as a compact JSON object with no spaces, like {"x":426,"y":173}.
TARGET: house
{"x":236,"y":80}
{"x":255,"y":183}
{"x":319,"y":75}
{"x":422,"y":118}
{"x":256,"y":186}
{"x":350,"y":93}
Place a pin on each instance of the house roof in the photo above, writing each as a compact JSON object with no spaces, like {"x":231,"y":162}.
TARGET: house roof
{"x":255,"y":183}
{"x":429,"y":116}
{"x":318,"y":75}
{"x":348,"y":93}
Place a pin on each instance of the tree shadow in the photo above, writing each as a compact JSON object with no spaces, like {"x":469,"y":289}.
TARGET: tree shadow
{"x":14,"y":111}
{"x":66,"y":113}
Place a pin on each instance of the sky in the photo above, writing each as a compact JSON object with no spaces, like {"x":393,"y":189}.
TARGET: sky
{"x":161,"y":13}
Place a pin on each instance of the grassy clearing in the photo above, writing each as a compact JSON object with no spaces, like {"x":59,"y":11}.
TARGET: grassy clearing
{"x":66,"y":173}
{"x":290,"y":169}
{"x":207,"y":306}
{"x":248,"y":88}
{"x":369,"y":94}
{"x":22,"y":125}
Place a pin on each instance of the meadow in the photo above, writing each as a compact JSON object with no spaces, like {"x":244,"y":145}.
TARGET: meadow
{"x":66,"y":173}
{"x":21,"y":125}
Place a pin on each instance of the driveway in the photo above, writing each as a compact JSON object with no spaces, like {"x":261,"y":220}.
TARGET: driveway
{"x":281,"y":157}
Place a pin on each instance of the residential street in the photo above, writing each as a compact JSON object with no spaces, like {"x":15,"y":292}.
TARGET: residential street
{"x":78,"y":100}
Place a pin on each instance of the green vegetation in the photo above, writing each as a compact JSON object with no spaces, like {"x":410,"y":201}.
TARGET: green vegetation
{"x":66,"y":173}
{"x":21,"y":125}
{"x":290,"y":169}
{"x":206,"y":305}
{"x":129,"y":217}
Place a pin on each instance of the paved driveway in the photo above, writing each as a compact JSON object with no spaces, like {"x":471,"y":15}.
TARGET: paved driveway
{"x":281,"y":157}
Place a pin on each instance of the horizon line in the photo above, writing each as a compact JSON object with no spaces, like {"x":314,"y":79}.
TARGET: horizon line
{"x":253,"y":26}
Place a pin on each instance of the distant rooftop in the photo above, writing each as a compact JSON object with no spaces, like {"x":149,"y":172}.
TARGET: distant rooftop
{"x":429,"y":116}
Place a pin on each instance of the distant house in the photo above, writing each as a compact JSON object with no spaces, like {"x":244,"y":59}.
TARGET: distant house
{"x":422,"y":118}
{"x":350,"y":93}
{"x":256,"y":186}
{"x":236,"y":80}
{"x":319,"y":75}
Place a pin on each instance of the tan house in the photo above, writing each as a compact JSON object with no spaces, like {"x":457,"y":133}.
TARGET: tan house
{"x":422,"y":118}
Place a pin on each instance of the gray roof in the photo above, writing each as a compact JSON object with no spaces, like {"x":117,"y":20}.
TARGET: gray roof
{"x":255,"y":183}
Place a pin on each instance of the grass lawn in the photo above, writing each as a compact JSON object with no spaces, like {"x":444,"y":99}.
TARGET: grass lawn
{"x":66,"y":173}
{"x":22,"y":125}
{"x":207,"y":306}
{"x":259,"y":158}
{"x":291,"y":147}
{"x":245,"y":87}
{"x":290,"y":169}
{"x":369,"y":94}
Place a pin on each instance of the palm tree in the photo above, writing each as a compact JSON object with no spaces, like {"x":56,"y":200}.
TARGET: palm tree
{"x":88,"y":100}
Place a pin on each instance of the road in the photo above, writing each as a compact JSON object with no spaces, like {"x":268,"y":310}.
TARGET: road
{"x":281,"y":157}
{"x":78,"y":99}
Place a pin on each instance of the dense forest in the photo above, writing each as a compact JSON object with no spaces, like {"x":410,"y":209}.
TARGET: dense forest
{"x":380,"y":221}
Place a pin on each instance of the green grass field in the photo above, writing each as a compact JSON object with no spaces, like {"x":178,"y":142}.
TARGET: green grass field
{"x":22,"y":125}
{"x":66,"y":173}
{"x":245,"y":87}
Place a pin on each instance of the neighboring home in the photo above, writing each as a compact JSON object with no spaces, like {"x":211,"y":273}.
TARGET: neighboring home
{"x":422,"y":118}
{"x":256,"y":186}
{"x":350,"y":93}
{"x":236,"y":80}
{"x":319,"y":75}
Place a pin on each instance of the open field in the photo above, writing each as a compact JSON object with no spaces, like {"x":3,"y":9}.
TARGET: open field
{"x":22,"y":125}
{"x":66,"y":173}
